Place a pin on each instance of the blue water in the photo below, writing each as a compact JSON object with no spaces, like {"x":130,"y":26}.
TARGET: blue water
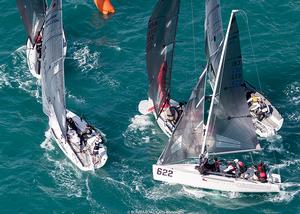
{"x":105,"y":74}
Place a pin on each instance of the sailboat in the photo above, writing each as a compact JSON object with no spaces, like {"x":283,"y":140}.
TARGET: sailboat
{"x":228,"y":128}
{"x":266,"y":118}
{"x":33,"y":16}
{"x":160,"y":48}
{"x":82,"y":143}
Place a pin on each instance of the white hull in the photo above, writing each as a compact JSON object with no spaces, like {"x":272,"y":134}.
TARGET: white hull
{"x":268,"y":126}
{"x":146,"y":107}
{"x":186,"y":174}
{"x":84,"y":160}
{"x":32,"y":58}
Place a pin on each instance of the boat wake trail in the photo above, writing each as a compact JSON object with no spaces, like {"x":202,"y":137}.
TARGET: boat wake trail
{"x":18,"y":75}
{"x":46,"y":144}
{"x":139,"y":130}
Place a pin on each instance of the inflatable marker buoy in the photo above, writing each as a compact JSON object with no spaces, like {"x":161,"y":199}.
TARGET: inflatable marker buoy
{"x":104,"y":6}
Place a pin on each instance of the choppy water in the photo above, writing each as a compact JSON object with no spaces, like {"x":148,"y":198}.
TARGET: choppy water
{"x":106,"y":78}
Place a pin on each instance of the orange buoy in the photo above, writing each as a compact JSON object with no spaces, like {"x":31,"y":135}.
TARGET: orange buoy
{"x":104,"y":6}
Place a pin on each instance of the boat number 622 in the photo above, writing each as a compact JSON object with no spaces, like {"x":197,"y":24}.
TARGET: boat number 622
{"x":164,"y":172}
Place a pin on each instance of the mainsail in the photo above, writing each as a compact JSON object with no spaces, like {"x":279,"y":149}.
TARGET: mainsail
{"x":33,"y":16}
{"x":230,"y":128}
{"x":160,"y":47}
{"x":52,"y":70}
{"x":214,"y":36}
{"x":186,"y":141}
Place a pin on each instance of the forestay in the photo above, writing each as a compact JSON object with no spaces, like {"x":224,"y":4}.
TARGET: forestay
{"x":230,"y":127}
{"x":160,"y":47}
{"x":214,"y":36}
{"x":186,"y":141}
{"x":33,"y":16}
{"x":52,"y":71}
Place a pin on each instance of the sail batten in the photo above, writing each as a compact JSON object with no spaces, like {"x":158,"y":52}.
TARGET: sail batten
{"x":33,"y":16}
{"x":160,"y":48}
{"x":52,"y":68}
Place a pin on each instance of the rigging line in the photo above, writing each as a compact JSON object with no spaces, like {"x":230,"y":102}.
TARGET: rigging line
{"x":193,"y":29}
{"x":245,"y":17}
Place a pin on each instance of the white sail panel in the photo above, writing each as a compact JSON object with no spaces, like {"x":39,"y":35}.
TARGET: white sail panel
{"x":33,"y":16}
{"x":52,"y":70}
{"x":230,"y":127}
{"x":160,"y":47}
{"x":186,"y":141}
{"x":214,"y":36}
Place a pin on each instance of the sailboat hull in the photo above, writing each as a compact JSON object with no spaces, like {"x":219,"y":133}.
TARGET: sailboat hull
{"x":33,"y":61}
{"x":268,"y":126}
{"x":82,"y":159}
{"x":146,"y":107}
{"x":186,"y":174}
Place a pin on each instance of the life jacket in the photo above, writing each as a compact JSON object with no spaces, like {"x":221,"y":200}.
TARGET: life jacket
{"x":254,"y":99}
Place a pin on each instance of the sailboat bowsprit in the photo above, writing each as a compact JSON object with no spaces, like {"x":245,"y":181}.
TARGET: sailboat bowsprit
{"x":33,"y":14}
{"x":228,"y":129}
{"x":159,"y":56}
{"x":82,"y":143}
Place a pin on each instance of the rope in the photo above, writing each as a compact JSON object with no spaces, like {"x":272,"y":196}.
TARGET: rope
{"x":245,"y":17}
{"x":193,"y":29}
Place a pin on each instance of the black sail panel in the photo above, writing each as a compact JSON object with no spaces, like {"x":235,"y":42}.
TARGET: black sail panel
{"x":230,"y":128}
{"x":33,"y":16}
{"x":186,"y":141}
{"x":214,"y":36}
{"x":160,"y":47}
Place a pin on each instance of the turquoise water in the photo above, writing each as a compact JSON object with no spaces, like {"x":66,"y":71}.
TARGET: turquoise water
{"x":105,"y":76}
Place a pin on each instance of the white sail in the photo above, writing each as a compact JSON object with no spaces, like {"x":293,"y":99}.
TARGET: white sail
{"x":230,"y":128}
{"x":214,"y":36}
{"x":52,"y":70}
{"x":187,"y":138}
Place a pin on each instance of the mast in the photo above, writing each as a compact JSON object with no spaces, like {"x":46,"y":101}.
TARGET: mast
{"x":216,"y":82}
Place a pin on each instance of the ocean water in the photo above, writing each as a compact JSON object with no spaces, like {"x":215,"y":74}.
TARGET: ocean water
{"x":105,"y":75}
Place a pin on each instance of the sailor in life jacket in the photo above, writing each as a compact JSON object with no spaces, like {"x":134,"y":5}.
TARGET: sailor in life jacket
{"x":235,"y":168}
{"x":261,"y":172}
{"x":172,"y":114}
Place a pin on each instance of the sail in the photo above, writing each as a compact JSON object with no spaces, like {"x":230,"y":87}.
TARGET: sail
{"x":52,"y":70}
{"x":160,"y":47}
{"x":230,"y":127}
{"x":33,"y":16}
{"x":214,"y":36}
{"x":187,"y":138}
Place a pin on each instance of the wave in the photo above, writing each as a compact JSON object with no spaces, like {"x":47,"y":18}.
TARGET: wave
{"x":139,"y":131}
{"x":17,"y":74}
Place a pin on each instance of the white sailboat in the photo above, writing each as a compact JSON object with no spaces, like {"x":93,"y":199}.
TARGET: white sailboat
{"x":160,"y":48}
{"x":266,"y":119}
{"x":33,"y":16}
{"x":228,"y":129}
{"x":81,"y":143}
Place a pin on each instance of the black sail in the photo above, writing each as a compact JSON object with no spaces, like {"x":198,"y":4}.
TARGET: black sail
{"x":160,"y":47}
{"x":214,"y":36}
{"x":230,"y":127}
{"x":33,"y":16}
